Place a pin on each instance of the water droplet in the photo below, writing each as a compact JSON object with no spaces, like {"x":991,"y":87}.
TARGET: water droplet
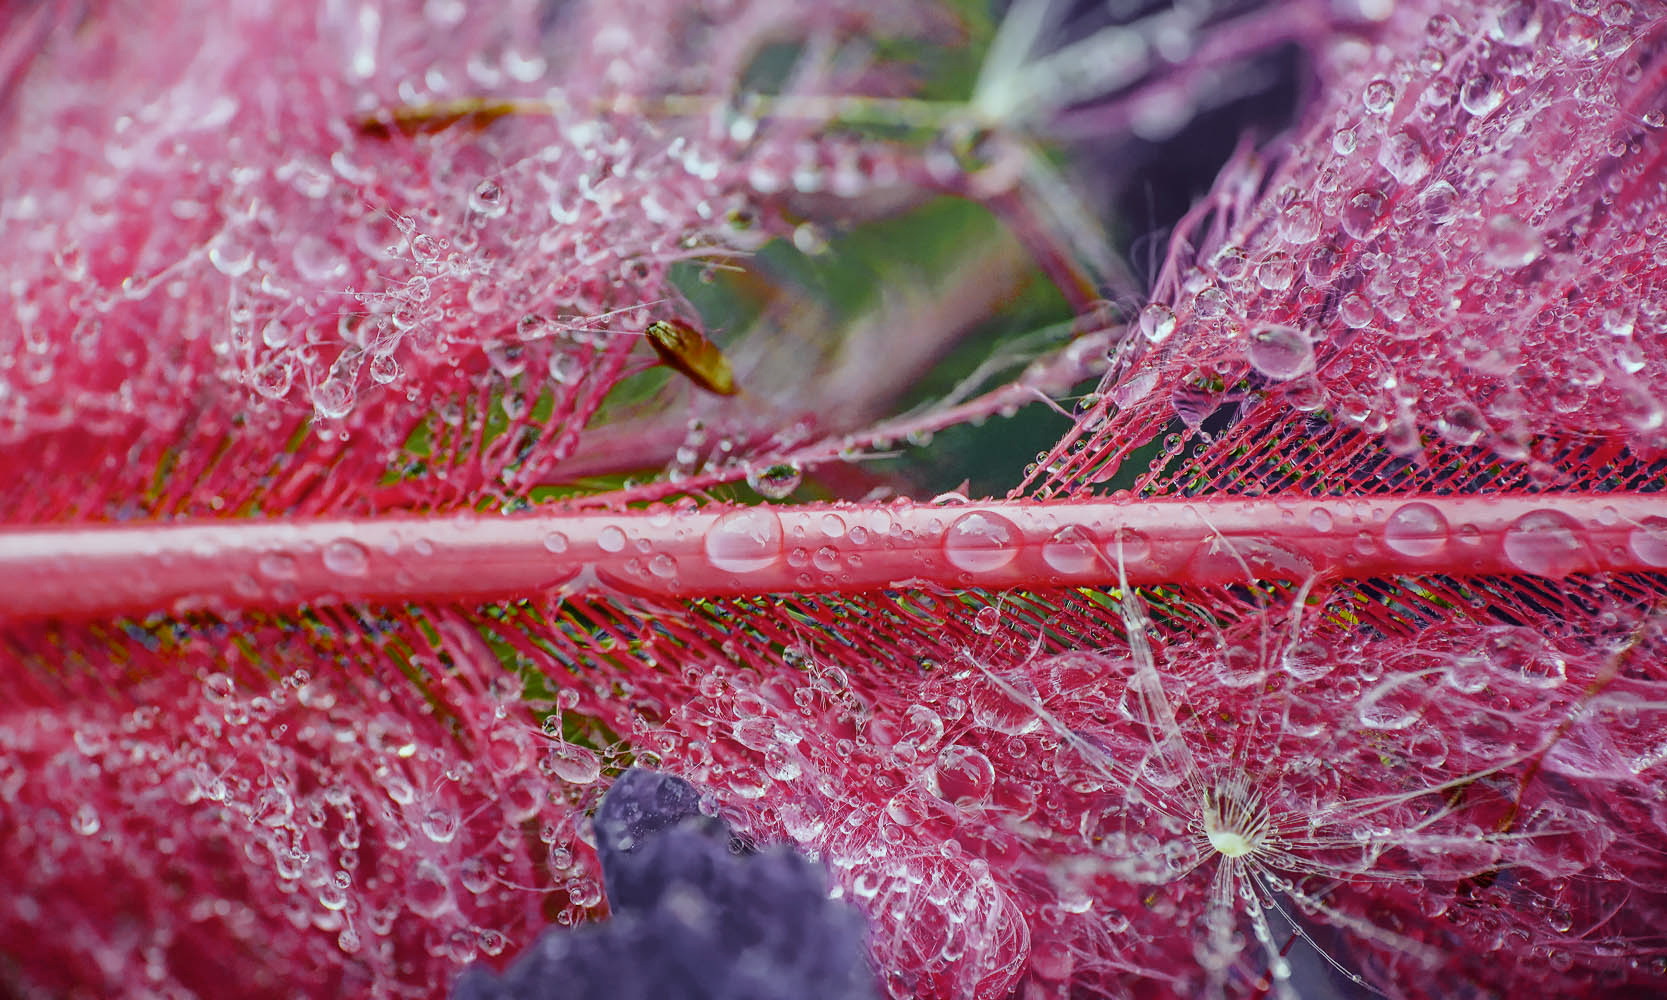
{"x":775,"y":482}
{"x":1518,"y":24}
{"x":333,"y":398}
{"x":277,"y":334}
{"x":440,"y":825}
{"x":231,"y":255}
{"x":346,"y":557}
{"x":474,"y":875}
{"x":1481,"y":94}
{"x":962,"y":775}
{"x":922,"y":727}
{"x":1406,"y":157}
{"x":509,"y":360}
{"x":1363,"y":212}
{"x":980,"y":542}
{"x":1545,"y":543}
{"x":1379,"y":96}
{"x":220,"y":687}
{"x":1157,"y":322}
{"x":1280,"y":352}
{"x":1210,"y":303}
{"x":1648,"y":541}
{"x":1277,"y":272}
{"x":1511,"y":243}
{"x":1071,"y":549}
{"x":1462,"y":424}
{"x":1300,"y":222}
{"x":575,"y":765}
{"x":1395,"y":704}
{"x":488,"y":200}
{"x":317,"y":260}
{"x":555,"y":542}
{"x":1439,"y":203}
{"x":584,"y":891}
{"x":743,"y":541}
{"x":610,"y":539}
{"x":427,"y":891}
{"x":1308,"y":660}
{"x":1416,"y":529}
{"x":987,"y":620}
{"x":384,"y":369}
{"x":1127,"y":546}
{"x":85,"y":820}
{"x":565,"y":367}
{"x":1355,"y":311}
{"x":274,"y":378}
{"x":1521,"y":654}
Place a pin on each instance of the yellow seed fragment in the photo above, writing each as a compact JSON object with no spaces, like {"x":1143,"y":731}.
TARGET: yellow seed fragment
{"x":474,"y":113}
{"x":682,"y":347}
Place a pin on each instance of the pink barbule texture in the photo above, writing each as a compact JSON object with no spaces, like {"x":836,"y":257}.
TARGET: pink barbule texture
{"x":227,"y":296}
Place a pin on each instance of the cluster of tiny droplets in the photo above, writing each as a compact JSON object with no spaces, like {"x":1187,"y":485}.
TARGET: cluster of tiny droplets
{"x":1078,"y":820}
{"x":240,"y":811}
{"x":1459,"y":254}
{"x":243,"y":249}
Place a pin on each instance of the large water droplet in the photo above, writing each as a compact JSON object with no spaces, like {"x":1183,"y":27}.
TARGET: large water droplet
{"x":1517,"y":24}
{"x":440,"y":825}
{"x":1439,"y":203}
{"x":1072,"y":550}
{"x":1308,"y":660}
{"x":384,"y":368}
{"x":85,"y":820}
{"x":610,"y":539}
{"x":1648,"y":541}
{"x":231,"y":254}
{"x":1378,"y":97}
{"x":347,"y":557}
{"x":1395,"y":704}
{"x":488,"y":200}
{"x":1276,"y":272}
{"x":565,"y":367}
{"x":274,"y":378}
{"x":584,"y":891}
{"x":1545,"y":543}
{"x":1363,"y":212}
{"x":1280,"y":352}
{"x":1481,"y":94}
{"x":1406,"y":157}
{"x":745,"y":540}
{"x":333,"y":398}
{"x":1416,"y":529}
{"x":775,"y":482}
{"x":427,"y":891}
{"x":575,"y":765}
{"x":962,"y":775}
{"x":980,"y":542}
{"x":1511,"y":243}
{"x":1300,"y":222}
{"x":1157,"y":322}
